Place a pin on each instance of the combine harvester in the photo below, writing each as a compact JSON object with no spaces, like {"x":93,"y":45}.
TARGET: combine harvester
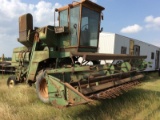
{"x":50,"y":59}
{"x":5,"y":65}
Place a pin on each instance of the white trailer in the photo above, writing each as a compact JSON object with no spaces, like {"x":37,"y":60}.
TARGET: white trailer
{"x":112,"y":43}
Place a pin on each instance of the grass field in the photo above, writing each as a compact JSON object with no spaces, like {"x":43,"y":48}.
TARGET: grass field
{"x":140,"y":103}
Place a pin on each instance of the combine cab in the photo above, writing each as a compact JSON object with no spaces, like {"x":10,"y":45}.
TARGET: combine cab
{"x":63,"y":61}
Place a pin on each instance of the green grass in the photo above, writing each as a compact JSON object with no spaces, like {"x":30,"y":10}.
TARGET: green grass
{"x":140,"y":103}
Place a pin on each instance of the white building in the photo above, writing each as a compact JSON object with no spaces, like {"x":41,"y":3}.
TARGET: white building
{"x":117,"y":44}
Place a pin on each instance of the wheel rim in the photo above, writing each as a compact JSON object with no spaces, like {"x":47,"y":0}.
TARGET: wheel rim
{"x":11,"y":83}
{"x":43,"y":89}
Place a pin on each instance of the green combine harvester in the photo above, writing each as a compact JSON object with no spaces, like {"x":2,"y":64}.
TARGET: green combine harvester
{"x":64,"y":63}
{"x":5,"y":65}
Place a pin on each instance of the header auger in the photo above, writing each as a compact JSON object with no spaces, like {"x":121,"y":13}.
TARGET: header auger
{"x":51,"y":57}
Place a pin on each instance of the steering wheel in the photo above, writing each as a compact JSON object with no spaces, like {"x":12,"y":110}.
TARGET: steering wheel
{"x":84,"y":27}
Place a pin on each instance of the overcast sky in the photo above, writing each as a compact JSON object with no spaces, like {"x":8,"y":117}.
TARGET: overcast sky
{"x":139,"y":19}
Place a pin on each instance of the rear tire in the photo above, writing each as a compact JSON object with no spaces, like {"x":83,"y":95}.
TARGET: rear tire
{"x":11,"y":82}
{"x":41,"y":88}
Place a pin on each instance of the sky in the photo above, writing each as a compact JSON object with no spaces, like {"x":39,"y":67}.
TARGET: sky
{"x":138,"y":19}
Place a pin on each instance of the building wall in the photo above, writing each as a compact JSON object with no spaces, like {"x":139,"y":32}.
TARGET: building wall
{"x":111,"y":43}
{"x":106,"y":43}
{"x":148,"y":49}
{"x":121,"y":41}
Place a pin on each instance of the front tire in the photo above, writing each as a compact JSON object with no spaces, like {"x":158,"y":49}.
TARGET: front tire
{"x":11,"y":82}
{"x":41,"y":88}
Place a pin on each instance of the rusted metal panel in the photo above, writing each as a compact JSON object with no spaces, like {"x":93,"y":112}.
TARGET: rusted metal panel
{"x":25,"y":26}
{"x":114,"y":92}
{"x":100,"y":56}
{"x":85,"y":2}
{"x":97,"y":88}
{"x":69,"y":69}
{"x":110,"y":84}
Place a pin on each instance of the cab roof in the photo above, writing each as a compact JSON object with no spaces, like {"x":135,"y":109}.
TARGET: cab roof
{"x":86,"y":3}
